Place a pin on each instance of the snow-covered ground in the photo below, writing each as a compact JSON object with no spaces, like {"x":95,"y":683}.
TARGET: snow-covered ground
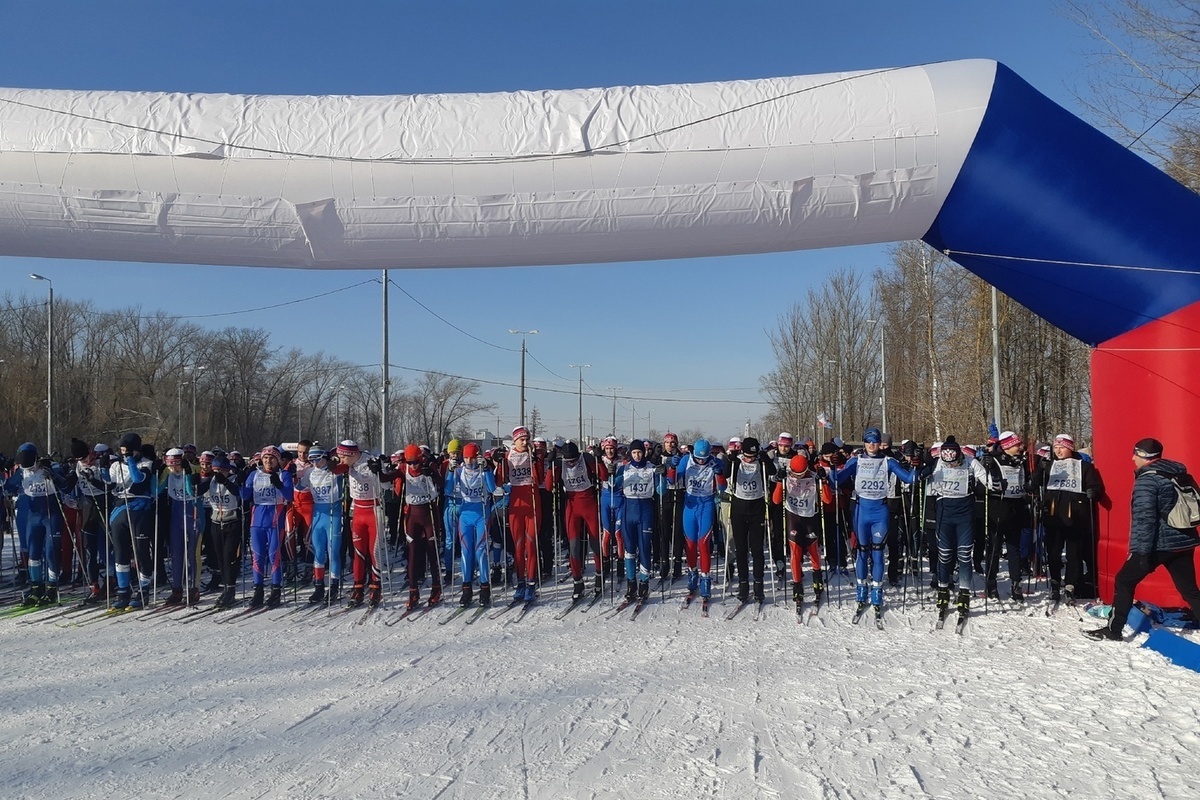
{"x":667,"y":706}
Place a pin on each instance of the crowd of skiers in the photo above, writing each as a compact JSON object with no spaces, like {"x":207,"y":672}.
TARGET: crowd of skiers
{"x":126,"y":520}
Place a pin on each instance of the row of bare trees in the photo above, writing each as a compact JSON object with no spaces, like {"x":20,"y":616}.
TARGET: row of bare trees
{"x":916,"y":342}
{"x":174,"y":382}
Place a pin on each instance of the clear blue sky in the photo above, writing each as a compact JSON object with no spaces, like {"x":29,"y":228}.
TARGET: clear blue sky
{"x":299,"y":47}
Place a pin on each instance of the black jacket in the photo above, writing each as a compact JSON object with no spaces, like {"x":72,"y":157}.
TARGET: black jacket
{"x":1153,"y":498}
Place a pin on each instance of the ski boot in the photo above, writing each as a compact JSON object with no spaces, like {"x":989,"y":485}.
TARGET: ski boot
{"x":94,"y":597}
{"x":356,"y":596}
{"x":759,"y":596}
{"x":964,"y":603}
{"x":318,"y":593}
{"x":643,"y":589}
{"x":630,"y":591}
{"x":798,"y":593}
{"x":943,"y":603}
{"x":33,"y":596}
{"x":1017,"y":595}
{"x":256,"y":599}
{"x":577,"y":590}
{"x":705,"y":587}
{"x":213,"y":585}
{"x":226,"y":600}
{"x":193,"y":597}
{"x":1069,"y":594}
{"x":993,"y":592}
{"x":175,"y":598}
{"x":435,"y":595}
{"x":598,"y":585}
{"x":465,"y":600}
{"x":140,"y":598}
{"x":818,"y":586}
{"x":778,"y":571}
{"x":485,"y":594}
{"x":414,"y":599}
{"x":335,"y":590}
{"x":693,"y":581}
{"x":743,"y":592}
{"x":22,"y":579}
{"x":1055,"y":592}
{"x":49,"y":596}
{"x":274,"y":600}
{"x":123,"y":598}
{"x":519,"y":594}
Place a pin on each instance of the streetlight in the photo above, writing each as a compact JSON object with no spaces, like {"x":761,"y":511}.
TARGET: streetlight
{"x":196,"y":370}
{"x":441,"y":414}
{"x":337,"y":410}
{"x":523,"y":334}
{"x":49,"y":370}
{"x":581,"y":368}
{"x":839,"y":397}
{"x":614,"y":389}
{"x":882,"y":376}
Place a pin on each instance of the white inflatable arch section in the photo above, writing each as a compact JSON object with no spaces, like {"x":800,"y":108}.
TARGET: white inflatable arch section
{"x":521,"y":178}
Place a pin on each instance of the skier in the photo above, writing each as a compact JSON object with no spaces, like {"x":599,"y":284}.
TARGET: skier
{"x":222,"y":493}
{"x":780,"y":456}
{"x":1153,"y":542}
{"x":798,"y":493}
{"x":1069,"y":485}
{"x":36,"y":486}
{"x":365,"y":477}
{"x":179,"y":486}
{"x":670,"y":520}
{"x":132,"y":479}
{"x":418,"y":485}
{"x":576,"y":473}
{"x":699,"y":473}
{"x":474,"y":485}
{"x":1007,"y":510}
{"x":611,"y":502}
{"x":871,"y":476}
{"x":520,"y":470}
{"x":636,"y":481}
{"x":270,"y":488}
{"x":450,"y":500}
{"x":747,"y":477}
{"x":954,"y":480}
{"x":326,"y":489}
{"x":93,"y":503}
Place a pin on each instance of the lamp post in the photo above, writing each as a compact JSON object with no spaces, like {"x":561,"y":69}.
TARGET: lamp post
{"x":196,"y":370}
{"x":49,"y":355}
{"x":441,"y":416}
{"x":882,"y":376}
{"x":581,"y":368}
{"x":522,"y":334}
{"x":837,"y":366}
{"x":614,"y":389}
{"x":337,"y":410}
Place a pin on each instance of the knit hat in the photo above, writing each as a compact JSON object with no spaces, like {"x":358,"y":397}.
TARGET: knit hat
{"x":637,"y":444}
{"x":173,"y":457}
{"x":799,"y":464}
{"x":570,"y":451}
{"x":1009,"y":439}
{"x":1148,"y":449}
{"x":347,"y":447}
{"x":412,"y":454}
{"x":1064,"y":440}
{"x":750,"y":446}
{"x":470,"y":451}
{"x":520,"y":431}
{"x":950,"y":450}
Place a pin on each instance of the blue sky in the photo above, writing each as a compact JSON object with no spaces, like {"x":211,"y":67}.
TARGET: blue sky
{"x":427,"y":47}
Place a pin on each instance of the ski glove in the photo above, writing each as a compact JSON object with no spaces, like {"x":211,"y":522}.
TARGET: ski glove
{"x":276,"y":481}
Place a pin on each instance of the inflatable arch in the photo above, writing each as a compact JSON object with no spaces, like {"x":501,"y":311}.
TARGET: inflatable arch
{"x":964,"y":155}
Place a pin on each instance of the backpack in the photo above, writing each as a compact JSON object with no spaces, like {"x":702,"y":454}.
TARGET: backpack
{"x":1185,"y":514}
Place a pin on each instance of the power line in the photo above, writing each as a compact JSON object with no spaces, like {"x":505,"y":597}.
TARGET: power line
{"x":409,"y":295}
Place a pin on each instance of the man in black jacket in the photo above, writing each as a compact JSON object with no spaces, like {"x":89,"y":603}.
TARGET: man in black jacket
{"x":1153,"y":542}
